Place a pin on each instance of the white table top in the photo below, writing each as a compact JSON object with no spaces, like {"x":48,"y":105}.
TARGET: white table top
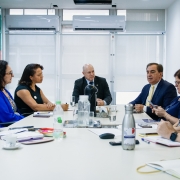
{"x":81,"y":155}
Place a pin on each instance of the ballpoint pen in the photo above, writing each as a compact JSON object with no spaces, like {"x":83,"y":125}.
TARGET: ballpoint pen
{"x":146,"y":141}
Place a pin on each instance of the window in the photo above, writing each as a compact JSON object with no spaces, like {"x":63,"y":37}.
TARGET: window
{"x":125,"y":97}
{"x":16,"y":12}
{"x":35,"y":11}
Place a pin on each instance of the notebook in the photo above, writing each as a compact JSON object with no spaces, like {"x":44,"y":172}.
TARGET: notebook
{"x":171,"y":167}
{"x":163,"y":141}
{"x":14,"y":131}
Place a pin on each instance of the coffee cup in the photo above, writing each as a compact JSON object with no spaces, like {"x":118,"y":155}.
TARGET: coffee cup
{"x":65,"y":107}
{"x":10,"y":140}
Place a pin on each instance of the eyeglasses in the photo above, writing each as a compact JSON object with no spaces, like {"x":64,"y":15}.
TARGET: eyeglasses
{"x":177,"y":83}
{"x":10,"y":73}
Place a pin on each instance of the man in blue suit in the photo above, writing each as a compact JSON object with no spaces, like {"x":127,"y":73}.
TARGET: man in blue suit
{"x":162,"y":94}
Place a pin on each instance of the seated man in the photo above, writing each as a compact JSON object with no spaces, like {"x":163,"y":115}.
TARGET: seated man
{"x":103,"y":94}
{"x":158,"y":91}
{"x":166,"y":130}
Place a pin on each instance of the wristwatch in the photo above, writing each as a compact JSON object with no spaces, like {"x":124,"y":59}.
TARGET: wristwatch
{"x":173,"y":136}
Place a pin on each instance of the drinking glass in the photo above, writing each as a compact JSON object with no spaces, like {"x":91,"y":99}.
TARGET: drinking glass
{"x":72,"y":101}
{"x":91,"y":119}
{"x":112,"y":112}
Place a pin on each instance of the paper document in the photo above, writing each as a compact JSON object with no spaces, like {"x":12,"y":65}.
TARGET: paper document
{"x":43,"y":114}
{"x":116,"y":132}
{"x":171,"y":167}
{"x":25,"y":136}
{"x":163,"y":141}
{"x":14,"y":131}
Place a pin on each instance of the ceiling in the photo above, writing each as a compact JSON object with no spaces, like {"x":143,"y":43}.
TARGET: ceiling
{"x":69,"y":4}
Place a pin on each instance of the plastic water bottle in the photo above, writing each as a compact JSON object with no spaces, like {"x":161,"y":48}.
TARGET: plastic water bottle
{"x":58,"y":121}
{"x":83,"y":111}
{"x":128,"y":129}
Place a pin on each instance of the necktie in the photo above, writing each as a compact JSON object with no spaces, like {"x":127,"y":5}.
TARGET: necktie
{"x":91,"y":82}
{"x":151,"y":92}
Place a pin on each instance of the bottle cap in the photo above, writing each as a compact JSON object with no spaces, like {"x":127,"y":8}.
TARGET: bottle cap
{"x":59,"y":120}
{"x":58,"y":102}
{"x":129,"y":107}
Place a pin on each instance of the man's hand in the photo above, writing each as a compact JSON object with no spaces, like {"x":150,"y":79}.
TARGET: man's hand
{"x":165,"y":129}
{"x":139,"y":108}
{"x":100,"y":102}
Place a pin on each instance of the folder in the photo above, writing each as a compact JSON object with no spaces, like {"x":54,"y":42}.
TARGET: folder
{"x":26,"y":136}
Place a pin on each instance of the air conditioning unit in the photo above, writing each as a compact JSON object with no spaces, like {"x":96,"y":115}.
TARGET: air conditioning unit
{"x":32,"y":22}
{"x":84,"y":2}
{"x":99,"y":23}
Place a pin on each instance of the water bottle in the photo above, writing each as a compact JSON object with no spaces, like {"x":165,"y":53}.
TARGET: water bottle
{"x":83,"y":111}
{"x":128,"y":129}
{"x":58,"y":121}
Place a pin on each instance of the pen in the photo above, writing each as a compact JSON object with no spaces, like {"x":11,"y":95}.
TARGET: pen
{"x":43,"y":112}
{"x":146,"y":141}
{"x":21,"y":127}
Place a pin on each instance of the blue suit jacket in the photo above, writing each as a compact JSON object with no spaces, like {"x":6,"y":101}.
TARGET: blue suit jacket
{"x":6,"y":112}
{"x":174,"y":108}
{"x":163,"y":96}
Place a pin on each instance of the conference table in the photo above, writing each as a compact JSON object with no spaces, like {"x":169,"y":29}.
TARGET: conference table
{"x":82,"y":155}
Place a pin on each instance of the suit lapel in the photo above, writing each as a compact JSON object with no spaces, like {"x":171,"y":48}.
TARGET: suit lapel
{"x":158,"y":90}
{"x":84,"y":84}
{"x":96,"y":82}
{"x":147,"y":93}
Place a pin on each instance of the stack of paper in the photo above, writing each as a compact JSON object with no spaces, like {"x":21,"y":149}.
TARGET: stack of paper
{"x":171,"y":167}
{"x":14,"y":131}
{"x":25,"y":136}
{"x":163,"y":141}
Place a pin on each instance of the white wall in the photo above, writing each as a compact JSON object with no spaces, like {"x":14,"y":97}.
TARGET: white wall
{"x":173,"y":40}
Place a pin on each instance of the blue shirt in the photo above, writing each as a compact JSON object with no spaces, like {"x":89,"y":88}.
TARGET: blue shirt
{"x":6,"y":112}
{"x":174,"y":108}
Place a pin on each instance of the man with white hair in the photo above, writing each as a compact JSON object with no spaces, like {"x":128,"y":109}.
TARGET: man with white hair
{"x":103,"y":94}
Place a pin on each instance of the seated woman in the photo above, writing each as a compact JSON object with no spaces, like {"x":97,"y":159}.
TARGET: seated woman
{"x":29,"y":97}
{"x":8,"y":110}
{"x":172,"y":112}
{"x":166,"y":130}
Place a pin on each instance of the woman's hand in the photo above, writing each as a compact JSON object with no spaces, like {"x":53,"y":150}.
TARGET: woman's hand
{"x":165,"y":129}
{"x":50,"y":105}
{"x":159,"y":111}
{"x":176,"y":127}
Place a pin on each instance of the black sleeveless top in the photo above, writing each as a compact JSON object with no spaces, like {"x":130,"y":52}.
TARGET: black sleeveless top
{"x":24,"y":108}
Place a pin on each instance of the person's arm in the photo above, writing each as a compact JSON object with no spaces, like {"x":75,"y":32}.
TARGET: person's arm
{"x":6,"y":112}
{"x":76,"y":92}
{"x":107,"y":94}
{"x":46,"y":101}
{"x":27,"y":98}
{"x":160,"y":112}
{"x":165,"y":129}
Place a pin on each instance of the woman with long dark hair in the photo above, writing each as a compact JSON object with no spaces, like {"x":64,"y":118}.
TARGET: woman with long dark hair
{"x":8,"y":109}
{"x":28,"y":96}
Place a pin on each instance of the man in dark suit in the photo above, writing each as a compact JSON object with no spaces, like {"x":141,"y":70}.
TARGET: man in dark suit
{"x":162,"y":94}
{"x":103,"y":94}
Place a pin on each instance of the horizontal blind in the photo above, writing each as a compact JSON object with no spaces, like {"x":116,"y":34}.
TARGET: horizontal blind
{"x":133,"y":53}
